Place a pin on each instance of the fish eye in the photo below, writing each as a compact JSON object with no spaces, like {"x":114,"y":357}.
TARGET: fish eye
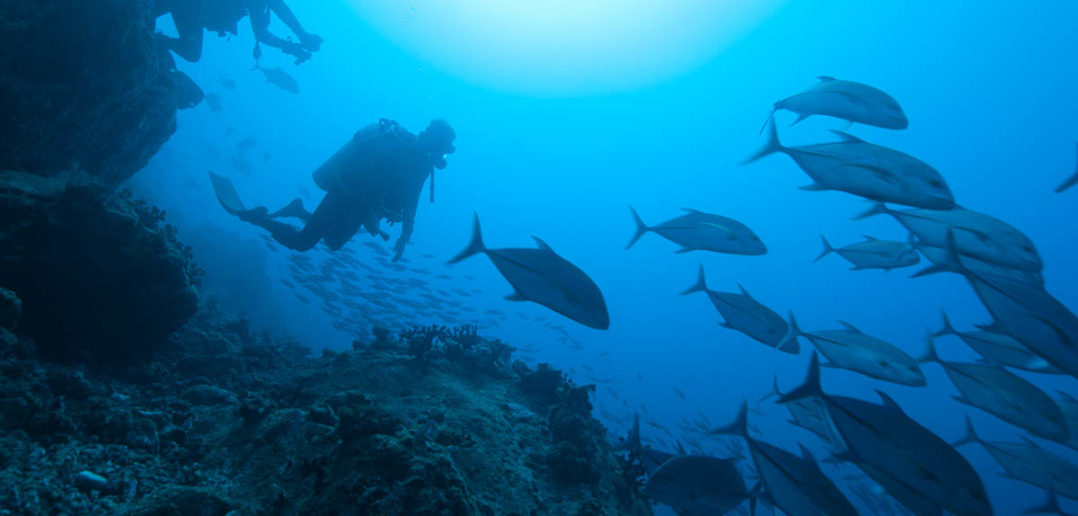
{"x":935,"y":183}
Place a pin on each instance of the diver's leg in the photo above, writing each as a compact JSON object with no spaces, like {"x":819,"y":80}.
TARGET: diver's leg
{"x":187,"y":15}
{"x":293,"y":209}
{"x":343,"y":231}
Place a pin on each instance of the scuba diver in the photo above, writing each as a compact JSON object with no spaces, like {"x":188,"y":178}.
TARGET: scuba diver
{"x":223,"y":16}
{"x":379,"y":174}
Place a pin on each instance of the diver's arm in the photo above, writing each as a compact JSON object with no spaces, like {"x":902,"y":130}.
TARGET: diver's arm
{"x":405,"y":236}
{"x":260,"y":25}
{"x":310,"y":41}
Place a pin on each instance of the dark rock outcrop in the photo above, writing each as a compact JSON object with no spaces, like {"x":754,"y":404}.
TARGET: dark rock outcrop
{"x":84,"y":84}
{"x":99,"y":275}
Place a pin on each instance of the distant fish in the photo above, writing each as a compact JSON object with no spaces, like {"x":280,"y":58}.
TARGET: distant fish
{"x":692,"y":484}
{"x":851,"y":349}
{"x":213,"y":100}
{"x":699,"y":231}
{"x":874,"y":254}
{"x":875,"y":172}
{"x":541,"y":276}
{"x":227,"y":83}
{"x":280,"y":78}
{"x":1026,"y":312}
{"x":797,"y":485}
{"x":1005,"y":395}
{"x":976,"y":235}
{"x":999,"y":348}
{"x":1069,"y":405}
{"x":747,"y":315}
{"x":1071,"y":181}
{"x":680,"y":393}
{"x":914,"y":465}
{"x":1029,"y":463}
{"x":245,"y":145}
{"x":241,"y":165}
{"x":848,"y":100}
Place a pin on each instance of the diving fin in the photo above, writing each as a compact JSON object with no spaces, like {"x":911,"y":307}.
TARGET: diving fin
{"x":226,"y":194}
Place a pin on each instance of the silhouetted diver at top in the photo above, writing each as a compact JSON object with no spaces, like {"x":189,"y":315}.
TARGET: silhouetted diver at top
{"x":223,"y":16}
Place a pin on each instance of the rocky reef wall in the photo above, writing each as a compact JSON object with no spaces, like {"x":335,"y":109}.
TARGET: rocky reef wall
{"x":82,"y":83}
{"x":101,"y":277}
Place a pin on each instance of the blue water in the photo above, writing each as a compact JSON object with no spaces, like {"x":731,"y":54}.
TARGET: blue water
{"x":989,"y":91}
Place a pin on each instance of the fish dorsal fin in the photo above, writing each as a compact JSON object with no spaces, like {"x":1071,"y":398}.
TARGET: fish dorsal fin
{"x":869,"y":238}
{"x":744,"y":292}
{"x":826,"y":78}
{"x":543,"y":245}
{"x":850,"y":327}
{"x":847,"y":137}
{"x":806,"y":454}
{"x":888,"y":401}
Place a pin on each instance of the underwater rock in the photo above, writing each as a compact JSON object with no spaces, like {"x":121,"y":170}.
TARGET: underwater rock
{"x":100,"y":276}
{"x":86,"y":84}
{"x":10,"y":309}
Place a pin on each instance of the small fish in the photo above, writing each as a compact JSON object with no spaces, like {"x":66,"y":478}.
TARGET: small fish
{"x":976,"y":235}
{"x":1005,"y":395}
{"x":227,"y":83}
{"x":747,"y":315}
{"x":542,"y":276}
{"x":213,"y":100}
{"x":874,"y":254}
{"x":999,"y":348}
{"x":875,"y":172}
{"x":679,"y":393}
{"x":848,"y":100}
{"x":851,"y":349}
{"x":699,"y":231}
{"x":280,"y":78}
{"x":693,"y":484}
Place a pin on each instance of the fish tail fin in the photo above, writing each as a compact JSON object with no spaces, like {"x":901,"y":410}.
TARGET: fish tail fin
{"x":930,"y":352}
{"x":770,"y":118}
{"x":772,"y":146}
{"x":754,"y":495}
{"x":792,"y":333}
{"x":947,"y":329}
{"x":740,"y":425}
{"x":810,"y":388}
{"x":878,"y":208}
{"x":1050,"y":506}
{"x":970,"y":437}
{"x":474,"y":247}
{"x":774,"y":389}
{"x":700,"y":285}
{"x":950,"y":262}
{"x":827,"y":249}
{"x":1071,"y":181}
{"x":641,"y":228}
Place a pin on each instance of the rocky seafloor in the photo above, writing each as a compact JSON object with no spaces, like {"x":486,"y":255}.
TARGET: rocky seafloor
{"x":220,"y":419}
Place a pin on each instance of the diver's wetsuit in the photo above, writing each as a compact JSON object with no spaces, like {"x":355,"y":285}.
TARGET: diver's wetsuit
{"x":387,"y":185}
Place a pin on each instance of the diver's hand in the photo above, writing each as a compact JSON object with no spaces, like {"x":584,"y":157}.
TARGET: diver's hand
{"x":295,"y":49}
{"x":310,"y":41}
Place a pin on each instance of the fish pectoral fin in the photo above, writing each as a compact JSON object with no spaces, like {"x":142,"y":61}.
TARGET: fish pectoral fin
{"x":515,"y":296}
{"x":684,"y":250}
{"x":814,"y":187}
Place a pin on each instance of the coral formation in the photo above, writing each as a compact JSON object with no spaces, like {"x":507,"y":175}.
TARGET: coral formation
{"x":100,"y":276}
{"x":85,"y":83}
{"x":272,"y":430}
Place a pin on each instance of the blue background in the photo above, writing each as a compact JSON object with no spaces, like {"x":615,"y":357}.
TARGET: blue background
{"x":988,"y":88}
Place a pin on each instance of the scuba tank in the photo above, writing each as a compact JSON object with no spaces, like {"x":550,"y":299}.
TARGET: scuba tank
{"x":368,"y":144}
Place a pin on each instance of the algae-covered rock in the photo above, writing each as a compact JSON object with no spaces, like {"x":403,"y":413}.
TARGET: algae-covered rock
{"x":84,"y":83}
{"x":100,"y":276}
